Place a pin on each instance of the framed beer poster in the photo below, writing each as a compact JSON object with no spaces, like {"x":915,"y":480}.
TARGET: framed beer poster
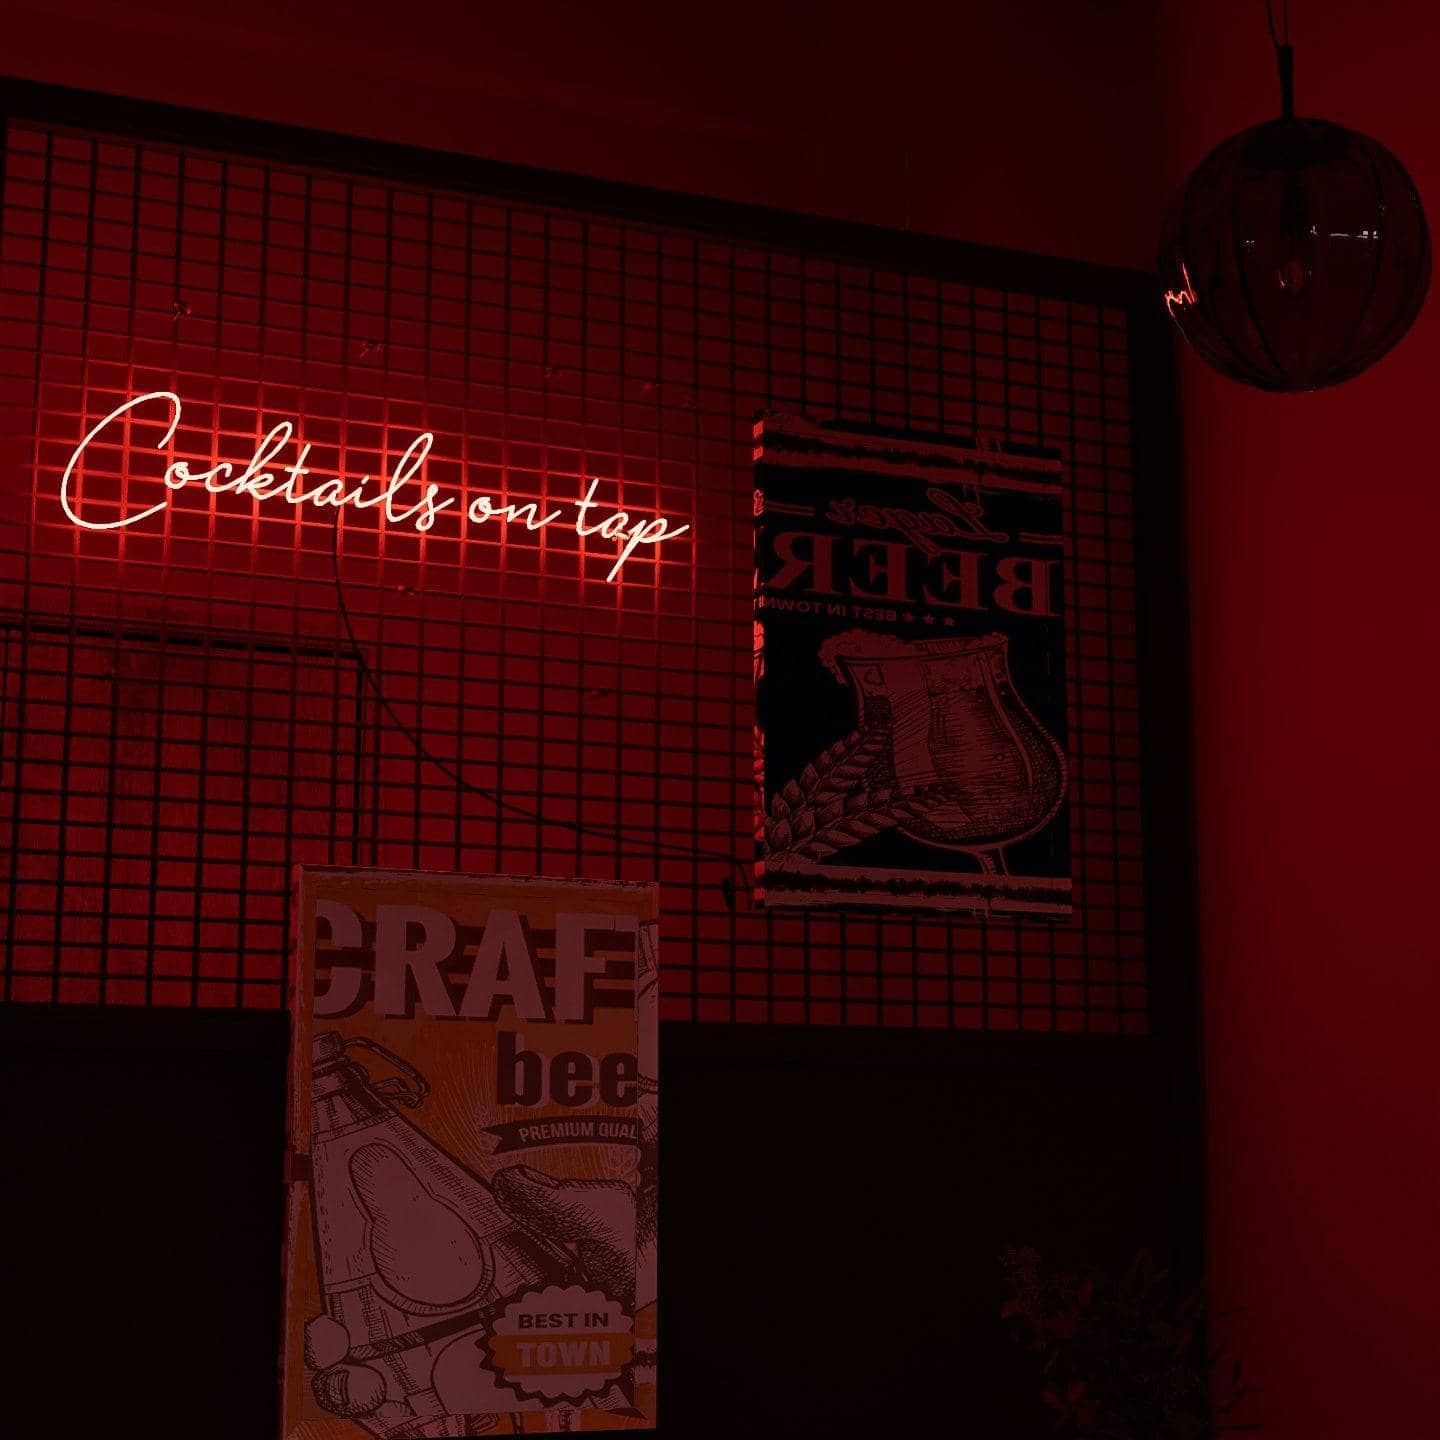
{"x":910,"y":672}
{"x":470,"y":1241}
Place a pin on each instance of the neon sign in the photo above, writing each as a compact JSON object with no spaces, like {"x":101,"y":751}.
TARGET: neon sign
{"x":287,"y":484}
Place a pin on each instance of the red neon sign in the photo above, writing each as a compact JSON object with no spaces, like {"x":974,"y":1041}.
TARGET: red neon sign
{"x":264,"y":478}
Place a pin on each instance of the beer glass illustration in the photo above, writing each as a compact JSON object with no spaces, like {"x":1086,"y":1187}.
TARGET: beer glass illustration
{"x":946,"y":752}
{"x":415,"y":1257}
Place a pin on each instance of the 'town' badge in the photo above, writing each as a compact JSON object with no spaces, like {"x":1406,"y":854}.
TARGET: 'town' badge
{"x":561,"y":1341}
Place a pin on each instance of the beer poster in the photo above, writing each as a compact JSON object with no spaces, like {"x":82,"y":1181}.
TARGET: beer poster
{"x":470,"y":1241}
{"x":910,"y":672}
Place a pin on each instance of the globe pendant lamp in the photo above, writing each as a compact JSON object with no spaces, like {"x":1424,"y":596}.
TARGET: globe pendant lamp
{"x":1297,"y":253}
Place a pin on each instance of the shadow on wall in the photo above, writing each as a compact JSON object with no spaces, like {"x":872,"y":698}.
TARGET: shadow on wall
{"x":834,"y":1205}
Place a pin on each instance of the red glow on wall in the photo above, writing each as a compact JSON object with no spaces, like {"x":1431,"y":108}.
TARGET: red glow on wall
{"x":187,"y":714}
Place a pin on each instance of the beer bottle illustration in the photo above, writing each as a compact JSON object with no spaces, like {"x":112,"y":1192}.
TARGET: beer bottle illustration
{"x":415,"y":1257}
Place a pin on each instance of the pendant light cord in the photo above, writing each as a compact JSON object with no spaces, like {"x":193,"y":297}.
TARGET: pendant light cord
{"x":1284,"y":56}
{"x":1283,"y":38}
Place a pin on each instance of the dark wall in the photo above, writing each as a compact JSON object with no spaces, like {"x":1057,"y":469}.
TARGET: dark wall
{"x":1028,"y":123}
{"x":833,"y":1205}
{"x":144,"y":1220}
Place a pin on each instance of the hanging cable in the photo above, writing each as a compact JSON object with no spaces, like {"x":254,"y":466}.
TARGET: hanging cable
{"x":615,"y":834}
{"x":1284,"y":55}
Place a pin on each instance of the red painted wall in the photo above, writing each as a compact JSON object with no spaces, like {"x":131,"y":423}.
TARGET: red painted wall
{"x":1317,"y":628}
{"x":1033,"y":124}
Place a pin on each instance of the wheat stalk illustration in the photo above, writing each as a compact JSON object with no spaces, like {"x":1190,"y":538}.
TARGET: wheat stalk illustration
{"x":831,"y":803}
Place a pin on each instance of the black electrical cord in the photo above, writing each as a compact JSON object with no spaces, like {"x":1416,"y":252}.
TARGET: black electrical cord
{"x":1284,"y":55}
{"x":1282,"y":39}
{"x":615,"y":834}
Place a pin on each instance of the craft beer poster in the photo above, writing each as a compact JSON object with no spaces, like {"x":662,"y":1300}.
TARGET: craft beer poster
{"x":470,"y":1243}
{"x":910,"y":672}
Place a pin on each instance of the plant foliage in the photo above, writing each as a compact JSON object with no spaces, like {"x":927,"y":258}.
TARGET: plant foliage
{"x":1122,"y":1358}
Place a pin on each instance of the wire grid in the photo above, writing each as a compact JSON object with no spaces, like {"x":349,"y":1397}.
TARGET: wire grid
{"x":183,"y":716}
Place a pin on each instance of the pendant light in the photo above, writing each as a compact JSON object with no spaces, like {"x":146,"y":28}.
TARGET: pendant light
{"x":1297,"y":253}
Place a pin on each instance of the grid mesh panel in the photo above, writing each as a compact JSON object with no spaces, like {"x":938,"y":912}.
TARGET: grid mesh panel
{"x":185,"y":716}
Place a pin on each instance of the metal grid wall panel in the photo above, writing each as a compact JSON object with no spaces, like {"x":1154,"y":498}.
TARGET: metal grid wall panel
{"x":184,"y":714}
